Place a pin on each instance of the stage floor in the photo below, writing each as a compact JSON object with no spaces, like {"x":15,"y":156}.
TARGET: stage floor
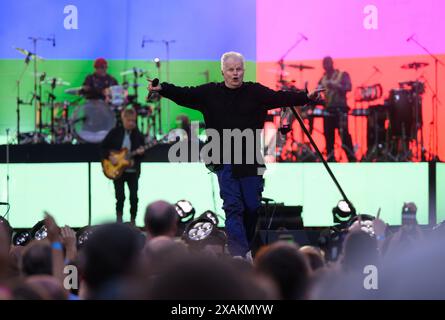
{"x":68,"y":182}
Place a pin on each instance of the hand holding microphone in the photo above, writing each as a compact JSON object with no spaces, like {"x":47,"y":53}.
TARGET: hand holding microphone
{"x":153,"y":87}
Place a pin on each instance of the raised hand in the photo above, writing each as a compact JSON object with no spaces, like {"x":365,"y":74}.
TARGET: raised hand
{"x":52,"y":228}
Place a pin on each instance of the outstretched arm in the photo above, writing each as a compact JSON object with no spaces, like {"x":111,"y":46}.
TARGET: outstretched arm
{"x":190,"y":97}
{"x":278,"y":99}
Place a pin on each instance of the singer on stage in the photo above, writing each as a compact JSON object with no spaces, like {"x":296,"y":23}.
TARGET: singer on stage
{"x":235,"y":104}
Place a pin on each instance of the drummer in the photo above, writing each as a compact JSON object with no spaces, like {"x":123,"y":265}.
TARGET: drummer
{"x":96,"y":85}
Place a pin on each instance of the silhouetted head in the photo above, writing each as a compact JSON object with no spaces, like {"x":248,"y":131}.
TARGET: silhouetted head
{"x":161,"y":219}
{"x":286,"y":266}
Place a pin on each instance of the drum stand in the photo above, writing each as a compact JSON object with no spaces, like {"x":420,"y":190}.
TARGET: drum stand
{"x":20,"y":101}
{"x":51,"y":99}
{"x":434,"y":147}
{"x":37,"y":98}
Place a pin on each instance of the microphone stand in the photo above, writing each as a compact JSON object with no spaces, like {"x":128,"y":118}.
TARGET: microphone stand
{"x":167,"y":44}
{"x":435,"y":98}
{"x":320,"y":156}
{"x":6,"y":215}
{"x":51,"y":99}
{"x":37,"y":108}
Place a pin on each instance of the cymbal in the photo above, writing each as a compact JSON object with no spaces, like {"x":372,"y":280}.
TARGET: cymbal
{"x":414,"y":65}
{"x":28,"y":53}
{"x":74,"y":91}
{"x":299,"y":66}
{"x":58,"y":82}
{"x":139,"y":72}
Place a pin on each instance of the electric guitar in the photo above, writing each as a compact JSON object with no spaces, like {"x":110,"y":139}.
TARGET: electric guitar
{"x":123,"y":161}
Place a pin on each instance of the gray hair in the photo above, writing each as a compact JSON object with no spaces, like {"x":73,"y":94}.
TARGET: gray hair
{"x":231,"y":54}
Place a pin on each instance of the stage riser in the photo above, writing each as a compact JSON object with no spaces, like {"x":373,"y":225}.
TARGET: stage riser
{"x":78,"y":193}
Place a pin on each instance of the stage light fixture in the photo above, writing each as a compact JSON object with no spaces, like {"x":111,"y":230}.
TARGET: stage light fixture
{"x":21,"y":238}
{"x":39,"y":231}
{"x":199,"y":230}
{"x":185,"y":210}
{"x":343,"y":212}
{"x":212,"y":216}
{"x":366,"y":223}
{"x":83,"y":234}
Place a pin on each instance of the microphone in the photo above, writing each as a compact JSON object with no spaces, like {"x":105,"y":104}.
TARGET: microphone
{"x":143,"y":43}
{"x":377,"y":69}
{"x":303,"y":36}
{"x":411,"y":37}
{"x":154,"y":83}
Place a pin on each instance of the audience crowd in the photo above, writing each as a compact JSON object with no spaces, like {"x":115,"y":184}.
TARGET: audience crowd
{"x":120,"y":261}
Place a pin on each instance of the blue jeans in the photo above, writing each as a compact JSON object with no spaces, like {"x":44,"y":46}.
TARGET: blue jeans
{"x":241,"y":201}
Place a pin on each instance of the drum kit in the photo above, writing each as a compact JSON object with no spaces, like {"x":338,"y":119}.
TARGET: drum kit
{"x":394,"y":128}
{"x":81,"y":120}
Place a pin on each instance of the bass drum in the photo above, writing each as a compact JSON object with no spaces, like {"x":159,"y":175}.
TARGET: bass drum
{"x":92,"y":121}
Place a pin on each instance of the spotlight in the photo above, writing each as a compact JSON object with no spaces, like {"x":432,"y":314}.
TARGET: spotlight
{"x":212,"y":216}
{"x":199,"y":230}
{"x":343,"y":212}
{"x":39,"y":231}
{"x":366,"y":223}
{"x":21,"y":238}
{"x":83,"y":234}
{"x":185,"y":210}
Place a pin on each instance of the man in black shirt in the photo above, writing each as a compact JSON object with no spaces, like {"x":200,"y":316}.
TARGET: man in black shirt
{"x":126,"y":136}
{"x":236,"y":105}
{"x":95,"y":85}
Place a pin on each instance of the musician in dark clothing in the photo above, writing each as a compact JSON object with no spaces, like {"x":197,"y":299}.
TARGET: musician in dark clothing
{"x":234,"y":104}
{"x":126,"y":136}
{"x":96,"y":85}
{"x":337,"y":84}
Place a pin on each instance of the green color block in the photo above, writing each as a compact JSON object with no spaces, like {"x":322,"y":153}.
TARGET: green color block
{"x":62,"y":189}
{"x":59,"y":188}
{"x":183,"y":73}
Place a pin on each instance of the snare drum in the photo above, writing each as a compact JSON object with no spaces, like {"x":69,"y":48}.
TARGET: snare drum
{"x":92,"y":121}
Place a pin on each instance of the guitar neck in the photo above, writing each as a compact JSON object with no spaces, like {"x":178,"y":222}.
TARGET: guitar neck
{"x":146,"y":146}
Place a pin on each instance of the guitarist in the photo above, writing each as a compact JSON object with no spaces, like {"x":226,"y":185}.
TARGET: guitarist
{"x":126,"y":136}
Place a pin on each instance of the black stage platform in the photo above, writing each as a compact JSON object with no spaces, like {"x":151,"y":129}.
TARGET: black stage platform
{"x":47,"y":153}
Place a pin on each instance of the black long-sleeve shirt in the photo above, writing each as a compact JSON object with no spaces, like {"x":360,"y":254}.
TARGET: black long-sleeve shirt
{"x":241,"y":108}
